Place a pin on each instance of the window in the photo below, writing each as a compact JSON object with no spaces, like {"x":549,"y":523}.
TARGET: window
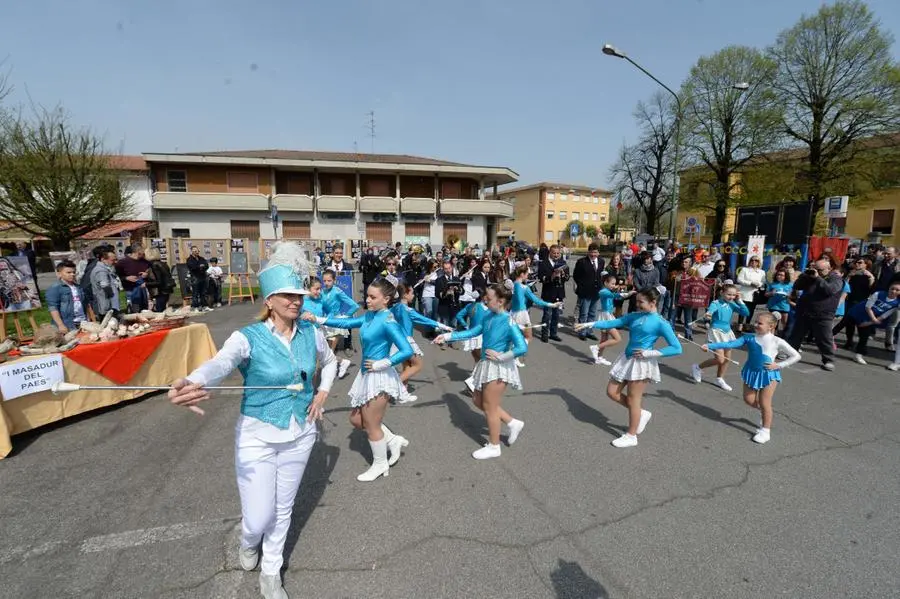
{"x":603,"y":200}
{"x":576,"y":216}
{"x":563,"y":196}
{"x":548,"y":235}
{"x":295,"y":229}
{"x":185,"y":233}
{"x":551,"y":196}
{"x":243,"y":182}
{"x":883,"y":221}
{"x":294,"y":183}
{"x":381,"y":232}
{"x":596,"y":199}
{"x":176,"y":180}
{"x":562,"y":215}
{"x":338,"y":185}
{"x":549,"y":215}
{"x":576,"y":197}
{"x":602,"y":218}
{"x":709,"y":223}
{"x":594,"y":216}
{"x":451,"y":190}
{"x":377,"y":186}
{"x":245,"y":229}
{"x":838,"y":226}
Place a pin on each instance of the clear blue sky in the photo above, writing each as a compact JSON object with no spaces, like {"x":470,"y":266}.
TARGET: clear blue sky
{"x":517,"y":83}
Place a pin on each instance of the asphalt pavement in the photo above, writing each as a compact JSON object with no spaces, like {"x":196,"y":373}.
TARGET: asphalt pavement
{"x":140,"y":500}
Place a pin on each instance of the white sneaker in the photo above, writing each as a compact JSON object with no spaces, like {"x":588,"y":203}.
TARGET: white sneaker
{"x":696,"y":373}
{"x":894,"y":367}
{"x":406,"y":396}
{"x":595,"y":351}
{"x":762,"y":436}
{"x":646,"y":415}
{"x":602,"y":361}
{"x":487,"y":452}
{"x":721,"y":383}
{"x":515,"y":427}
{"x":859,"y":359}
{"x":520,"y":363}
{"x":470,"y":384}
{"x":625,"y":440}
{"x":270,"y":587}
{"x":342,"y":368}
{"x":249,"y":557}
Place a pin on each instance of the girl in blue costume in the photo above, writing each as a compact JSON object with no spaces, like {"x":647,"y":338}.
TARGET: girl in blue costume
{"x":276,"y":430}
{"x":502,"y":343}
{"x":637,"y":366}
{"x":719,"y":316}
{"x":608,"y":296}
{"x":337,"y":303}
{"x":377,"y":382}
{"x":522,"y":294}
{"x":406,"y":317}
{"x":468,"y":318}
{"x":761,"y":373}
{"x":779,"y":294}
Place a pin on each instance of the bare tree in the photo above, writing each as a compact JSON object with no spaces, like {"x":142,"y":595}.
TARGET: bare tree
{"x":730,"y":118}
{"x":57,"y":180}
{"x":839,"y":84}
{"x":643,"y":173}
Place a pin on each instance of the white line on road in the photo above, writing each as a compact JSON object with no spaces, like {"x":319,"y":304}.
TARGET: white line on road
{"x":124,"y":540}
{"x":148,"y":536}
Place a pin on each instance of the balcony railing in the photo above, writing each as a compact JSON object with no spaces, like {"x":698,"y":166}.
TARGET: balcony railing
{"x":378,"y":204}
{"x":293,"y":202}
{"x":477,"y":208}
{"x":177,"y":200}
{"x":417,"y":205}
{"x":329,"y":203}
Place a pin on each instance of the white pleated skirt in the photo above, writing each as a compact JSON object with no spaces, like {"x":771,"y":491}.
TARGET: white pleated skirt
{"x":369,"y":385}
{"x":472,"y":344}
{"x":634,"y":369}
{"x":331,"y":332}
{"x":496,"y":370}
{"x":417,"y":351}
{"x":521,"y":318}
{"x":718,"y":336}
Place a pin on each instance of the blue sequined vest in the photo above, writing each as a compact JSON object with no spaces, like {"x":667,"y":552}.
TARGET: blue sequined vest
{"x":270,"y":363}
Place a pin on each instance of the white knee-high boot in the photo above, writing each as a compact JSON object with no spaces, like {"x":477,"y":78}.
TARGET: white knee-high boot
{"x":395,"y":443}
{"x":379,"y":465}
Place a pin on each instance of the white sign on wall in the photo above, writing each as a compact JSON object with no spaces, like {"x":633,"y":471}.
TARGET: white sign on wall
{"x":24,"y":377}
{"x":836,"y":206}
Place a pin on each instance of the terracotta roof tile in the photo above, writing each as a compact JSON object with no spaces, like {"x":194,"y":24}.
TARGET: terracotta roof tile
{"x":329,"y":156}
{"x":128,"y":163}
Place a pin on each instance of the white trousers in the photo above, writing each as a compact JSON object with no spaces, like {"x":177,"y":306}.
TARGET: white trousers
{"x":268,"y":477}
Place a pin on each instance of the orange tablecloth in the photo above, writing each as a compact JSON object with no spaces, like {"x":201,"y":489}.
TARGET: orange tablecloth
{"x":179,"y":352}
{"x":118,"y":360}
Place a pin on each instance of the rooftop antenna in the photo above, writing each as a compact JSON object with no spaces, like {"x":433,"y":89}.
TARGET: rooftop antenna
{"x":371,"y":127}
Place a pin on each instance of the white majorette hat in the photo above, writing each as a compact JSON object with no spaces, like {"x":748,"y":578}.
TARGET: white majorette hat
{"x":287,"y":271}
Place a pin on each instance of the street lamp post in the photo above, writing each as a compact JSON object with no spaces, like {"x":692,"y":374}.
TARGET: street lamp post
{"x":611,"y":50}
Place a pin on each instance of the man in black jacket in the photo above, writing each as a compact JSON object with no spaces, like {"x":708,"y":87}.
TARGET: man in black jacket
{"x":197,"y":267}
{"x":588,"y":281}
{"x":447,"y":288}
{"x":821,"y":287}
{"x":553,"y":273}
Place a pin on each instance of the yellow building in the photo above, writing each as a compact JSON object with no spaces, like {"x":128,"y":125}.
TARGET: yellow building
{"x":873,"y":214}
{"x":543,"y":212}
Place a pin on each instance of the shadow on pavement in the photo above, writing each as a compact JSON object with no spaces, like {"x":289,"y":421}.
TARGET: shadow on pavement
{"x":586,"y":413}
{"x":570,"y":581}
{"x":465,"y":417}
{"x":316,"y":479}
{"x":710,"y":413}
{"x":584,"y":355}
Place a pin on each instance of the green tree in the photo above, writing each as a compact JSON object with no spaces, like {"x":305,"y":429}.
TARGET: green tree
{"x":642,"y":176}
{"x":57,"y":180}
{"x":591,"y":231}
{"x":839,"y":84}
{"x":731,"y":117}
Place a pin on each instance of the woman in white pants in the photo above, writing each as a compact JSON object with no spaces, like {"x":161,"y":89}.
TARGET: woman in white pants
{"x":277,"y":428}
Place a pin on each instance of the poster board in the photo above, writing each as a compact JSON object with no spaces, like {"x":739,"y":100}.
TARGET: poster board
{"x":184,"y":280}
{"x":162,"y":247}
{"x":18,"y":290}
{"x":238,"y":263}
{"x":693,"y":293}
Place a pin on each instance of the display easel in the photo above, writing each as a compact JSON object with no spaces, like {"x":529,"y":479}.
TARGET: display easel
{"x":20,"y":331}
{"x":243,"y":292}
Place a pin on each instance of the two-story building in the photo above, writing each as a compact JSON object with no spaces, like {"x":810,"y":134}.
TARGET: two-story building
{"x":543,"y":212}
{"x":325,"y":195}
